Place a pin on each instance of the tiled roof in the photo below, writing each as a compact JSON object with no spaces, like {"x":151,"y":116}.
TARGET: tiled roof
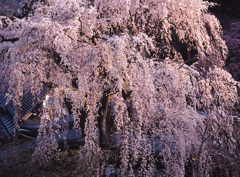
{"x":7,"y":125}
{"x":2,"y":99}
{"x":29,"y":102}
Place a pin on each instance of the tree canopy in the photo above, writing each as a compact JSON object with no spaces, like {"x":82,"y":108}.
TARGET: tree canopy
{"x":145,"y":73}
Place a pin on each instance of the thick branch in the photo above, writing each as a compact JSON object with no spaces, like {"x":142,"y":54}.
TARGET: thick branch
{"x":3,"y":39}
{"x":92,"y":40}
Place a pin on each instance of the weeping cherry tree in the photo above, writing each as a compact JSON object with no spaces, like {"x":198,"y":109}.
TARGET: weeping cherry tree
{"x":144,"y":77}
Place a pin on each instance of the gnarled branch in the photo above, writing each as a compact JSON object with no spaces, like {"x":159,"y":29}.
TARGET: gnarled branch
{"x":3,"y":39}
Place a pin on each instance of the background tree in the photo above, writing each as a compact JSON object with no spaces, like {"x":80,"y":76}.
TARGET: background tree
{"x":121,"y":66}
{"x":10,"y":8}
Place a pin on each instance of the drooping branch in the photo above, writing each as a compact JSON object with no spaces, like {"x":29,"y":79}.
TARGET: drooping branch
{"x":66,"y":69}
{"x":204,"y":139}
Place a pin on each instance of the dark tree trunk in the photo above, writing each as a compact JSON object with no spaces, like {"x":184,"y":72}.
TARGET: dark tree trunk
{"x":104,"y":120}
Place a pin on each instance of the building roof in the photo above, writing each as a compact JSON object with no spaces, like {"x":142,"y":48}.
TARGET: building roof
{"x":8,"y":111}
